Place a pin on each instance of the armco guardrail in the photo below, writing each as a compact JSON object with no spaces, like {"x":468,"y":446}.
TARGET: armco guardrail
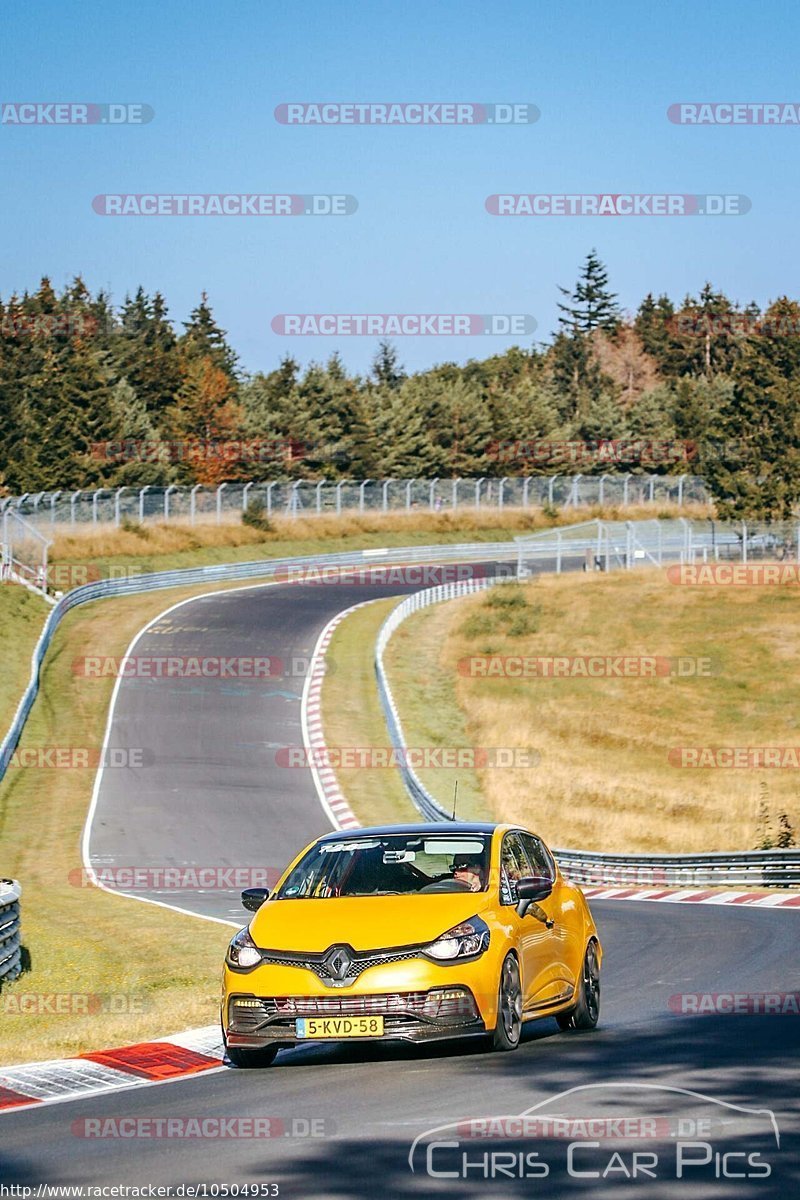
{"x":760,"y":868}
{"x":10,"y":949}
{"x":285,"y":568}
{"x":422,"y":798}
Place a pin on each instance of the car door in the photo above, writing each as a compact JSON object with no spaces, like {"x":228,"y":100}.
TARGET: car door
{"x":560,"y":978}
{"x":536,"y":943}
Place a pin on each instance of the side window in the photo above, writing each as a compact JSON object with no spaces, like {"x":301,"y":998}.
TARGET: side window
{"x":514,"y":865}
{"x":539,"y":856}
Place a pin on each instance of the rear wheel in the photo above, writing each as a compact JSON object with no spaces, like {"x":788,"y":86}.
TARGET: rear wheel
{"x":586,"y":1012}
{"x":508,"y":1030}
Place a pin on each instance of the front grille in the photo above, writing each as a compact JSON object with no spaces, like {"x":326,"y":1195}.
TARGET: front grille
{"x":360,"y":961}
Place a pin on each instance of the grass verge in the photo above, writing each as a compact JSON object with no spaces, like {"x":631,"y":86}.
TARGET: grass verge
{"x":352,"y":717}
{"x":22,"y":615}
{"x":605,"y":780}
{"x":124,"y":970}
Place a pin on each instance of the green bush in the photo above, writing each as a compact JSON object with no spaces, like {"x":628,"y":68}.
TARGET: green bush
{"x":255,"y":517}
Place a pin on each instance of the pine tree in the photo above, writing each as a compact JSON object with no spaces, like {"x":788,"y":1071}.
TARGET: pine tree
{"x":203,"y":338}
{"x":758,"y":477}
{"x":386,"y":370}
{"x":145,"y":352}
{"x":590,"y":305}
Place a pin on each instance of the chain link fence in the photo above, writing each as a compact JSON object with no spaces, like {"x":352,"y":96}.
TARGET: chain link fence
{"x":324,"y":497}
{"x":23,"y":552}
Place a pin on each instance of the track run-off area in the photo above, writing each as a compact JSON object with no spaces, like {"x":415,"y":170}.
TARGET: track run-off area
{"x":343,"y":1119}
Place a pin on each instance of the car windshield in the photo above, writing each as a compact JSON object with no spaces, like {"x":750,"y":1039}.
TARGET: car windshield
{"x":390,"y":865}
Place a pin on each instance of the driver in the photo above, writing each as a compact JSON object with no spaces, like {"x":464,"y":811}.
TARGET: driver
{"x":469,"y":870}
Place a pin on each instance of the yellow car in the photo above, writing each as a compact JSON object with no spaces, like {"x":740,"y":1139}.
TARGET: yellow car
{"x":419,"y":932}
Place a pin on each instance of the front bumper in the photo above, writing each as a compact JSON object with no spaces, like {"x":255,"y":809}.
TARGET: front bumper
{"x":437,"y":1014}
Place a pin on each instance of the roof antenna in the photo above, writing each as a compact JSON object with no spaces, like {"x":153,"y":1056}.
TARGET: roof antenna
{"x":455,"y":798}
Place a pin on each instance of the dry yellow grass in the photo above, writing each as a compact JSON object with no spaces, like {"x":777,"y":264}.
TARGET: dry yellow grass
{"x":162,"y":545}
{"x":605,"y":781}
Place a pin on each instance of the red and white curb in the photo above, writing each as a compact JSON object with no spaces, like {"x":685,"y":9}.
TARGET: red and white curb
{"x":693,"y":896}
{"x":161,"y":1061}
{"x":330,"y":794}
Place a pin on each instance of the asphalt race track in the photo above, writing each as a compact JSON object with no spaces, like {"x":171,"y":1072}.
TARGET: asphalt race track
{"x":214,"y":795}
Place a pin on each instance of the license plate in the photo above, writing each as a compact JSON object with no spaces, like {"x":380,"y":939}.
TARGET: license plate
{"x":339,"y":1027}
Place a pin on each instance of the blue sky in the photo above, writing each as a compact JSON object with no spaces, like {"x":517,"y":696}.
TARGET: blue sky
{"x":421,"y":241}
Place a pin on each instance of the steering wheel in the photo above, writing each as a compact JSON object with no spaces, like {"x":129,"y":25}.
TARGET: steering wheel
{"x":446,"y":884}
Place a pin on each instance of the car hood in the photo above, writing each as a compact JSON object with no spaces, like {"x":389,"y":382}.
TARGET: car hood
{"x":363,"y":922}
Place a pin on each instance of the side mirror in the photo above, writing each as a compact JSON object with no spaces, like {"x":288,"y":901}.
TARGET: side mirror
{"x":253,"y":898}
{"x":530,"y":890}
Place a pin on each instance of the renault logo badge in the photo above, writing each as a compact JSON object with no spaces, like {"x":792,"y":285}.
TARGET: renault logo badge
{"x":337,"y":962}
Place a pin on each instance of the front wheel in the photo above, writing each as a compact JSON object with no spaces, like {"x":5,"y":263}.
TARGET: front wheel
{"x":250,"y":1059}
{"x":586,"y":1012}
{"x":508,"y":1030}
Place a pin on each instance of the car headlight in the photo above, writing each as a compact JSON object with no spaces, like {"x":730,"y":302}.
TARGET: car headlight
{"x":466,"y":940}
{"x":243,"y":953}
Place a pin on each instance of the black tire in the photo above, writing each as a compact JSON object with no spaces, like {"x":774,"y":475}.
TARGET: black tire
{"x":248,"y":1059}
{"x":508,"y":1030}
{"x":586,"y":1012}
